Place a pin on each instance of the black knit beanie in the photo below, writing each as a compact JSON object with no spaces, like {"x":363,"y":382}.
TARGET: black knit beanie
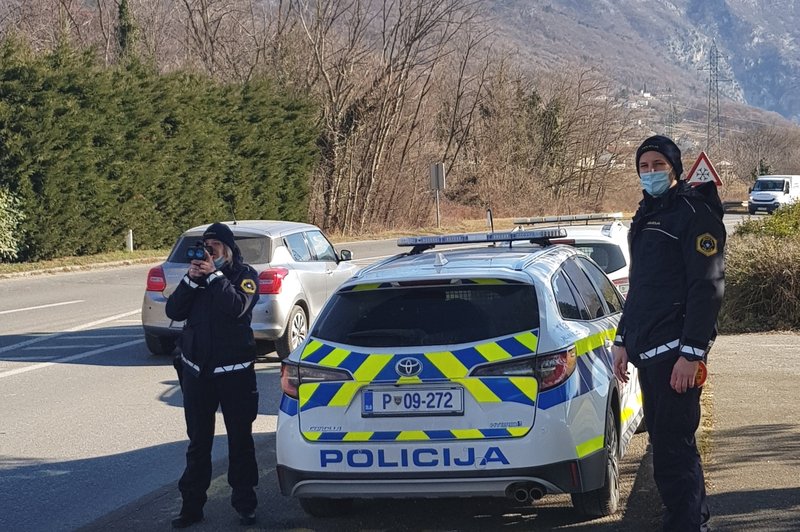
{"x":221,"y":232}
{"x":665,"y":147}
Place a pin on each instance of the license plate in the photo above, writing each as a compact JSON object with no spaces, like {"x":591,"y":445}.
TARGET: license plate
{"x":428,"y":401}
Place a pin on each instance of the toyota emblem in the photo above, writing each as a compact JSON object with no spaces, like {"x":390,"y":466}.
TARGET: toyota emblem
{"x":408,"y":367}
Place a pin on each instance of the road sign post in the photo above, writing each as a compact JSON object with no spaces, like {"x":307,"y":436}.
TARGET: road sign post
{"x":437,"y":184}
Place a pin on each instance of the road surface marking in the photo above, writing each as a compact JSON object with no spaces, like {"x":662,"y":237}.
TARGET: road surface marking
{"x":72,"y":346}
{"x":62,"y":333}
{"x":41,"y":306}
{"x":79,"y":356}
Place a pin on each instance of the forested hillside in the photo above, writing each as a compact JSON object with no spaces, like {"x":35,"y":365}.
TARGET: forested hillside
{"x":154,"y":116}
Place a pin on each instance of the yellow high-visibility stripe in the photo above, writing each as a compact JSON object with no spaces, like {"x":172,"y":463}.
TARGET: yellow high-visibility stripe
{"x":345,"y":394}
{"x":408,"y":380}
{"x":527,"y":385}
{"x":371,"y":367}
{"x":448,"y":364}
{"x":412,"y":435}
{"x":467,"y":434}
{"x":334,"y":358}
{"x":306,"y":391}
{"x":492,"y":351}
{"x":311,"y":346}
{"x":357,"y":436}
{"x":529,"y":340}
{"x":479,"y":390}
{"x":590,"y":446}
{"x":313,"y":436}
{"x":518,"y":431}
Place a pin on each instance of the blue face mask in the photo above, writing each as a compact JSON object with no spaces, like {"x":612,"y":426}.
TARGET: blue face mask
{"x":655,"y":183}
{"x":218,"y":263}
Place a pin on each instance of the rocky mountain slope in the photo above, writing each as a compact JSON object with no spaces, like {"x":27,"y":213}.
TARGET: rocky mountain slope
{"x":666,"y":45}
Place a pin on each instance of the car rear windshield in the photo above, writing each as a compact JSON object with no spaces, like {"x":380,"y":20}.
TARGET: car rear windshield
{"x":608,"y":256}
{"x":255,"y":250}
{"x":428,"y":315}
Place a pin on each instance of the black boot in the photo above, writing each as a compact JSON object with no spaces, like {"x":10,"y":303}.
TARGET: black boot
{"x":187,"y":519}
{"x":247,"y":518}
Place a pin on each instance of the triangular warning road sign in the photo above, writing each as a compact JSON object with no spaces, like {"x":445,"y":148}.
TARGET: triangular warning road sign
{"x":702,"y":172}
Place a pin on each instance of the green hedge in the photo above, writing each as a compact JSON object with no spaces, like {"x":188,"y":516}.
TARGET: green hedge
{"x":762,"y":279}
{"x":91,"y":152}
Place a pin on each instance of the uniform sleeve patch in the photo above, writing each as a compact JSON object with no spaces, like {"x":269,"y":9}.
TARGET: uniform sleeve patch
{"x":248,"y":286}
{"x":707,"y":244}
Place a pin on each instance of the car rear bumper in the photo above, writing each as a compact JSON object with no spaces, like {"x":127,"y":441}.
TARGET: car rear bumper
{"x":579,"y":475}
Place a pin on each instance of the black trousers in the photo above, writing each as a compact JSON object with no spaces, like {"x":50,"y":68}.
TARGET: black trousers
{"x":237,"y":394}
{"x":672,"y":419}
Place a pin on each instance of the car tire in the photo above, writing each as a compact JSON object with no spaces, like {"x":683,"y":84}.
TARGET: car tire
{"x":159,"y":345}
{"x":322,"y":507}
{"x":603,"y":501}
{"x":296,"y":331}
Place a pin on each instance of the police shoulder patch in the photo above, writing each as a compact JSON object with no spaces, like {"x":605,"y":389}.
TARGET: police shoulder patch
{"x":248,"y":286}
{"x":707,"y":244}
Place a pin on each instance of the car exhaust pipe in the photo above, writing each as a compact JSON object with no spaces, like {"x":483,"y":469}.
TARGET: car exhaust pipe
{"x":521,"y":494}
{"x":536,"y":492}
{"x":526,"y":491}
{"x":518,"y":492}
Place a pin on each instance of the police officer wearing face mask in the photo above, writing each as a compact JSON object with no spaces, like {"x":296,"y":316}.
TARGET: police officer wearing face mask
{"x":216,"y":368}
{"x":677,"y":242}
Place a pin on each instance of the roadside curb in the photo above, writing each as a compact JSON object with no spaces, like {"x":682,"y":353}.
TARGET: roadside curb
{"x":82,"y":267}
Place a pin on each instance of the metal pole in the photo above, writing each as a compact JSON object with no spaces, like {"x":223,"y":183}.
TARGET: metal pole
{"x":438,"y":218}
{"x":129,"y":240}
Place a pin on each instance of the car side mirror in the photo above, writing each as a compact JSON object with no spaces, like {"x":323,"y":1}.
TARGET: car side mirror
{"x":345,"y":254}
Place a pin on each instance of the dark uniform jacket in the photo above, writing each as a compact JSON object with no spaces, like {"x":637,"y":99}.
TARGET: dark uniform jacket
{"x":217,"y":336}
{"x":677,"y":274}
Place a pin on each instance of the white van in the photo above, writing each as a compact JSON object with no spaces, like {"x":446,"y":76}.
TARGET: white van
{"x":773,"y":191}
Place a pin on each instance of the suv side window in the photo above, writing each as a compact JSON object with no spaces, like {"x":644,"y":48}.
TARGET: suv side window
{"x":567,"y":304}
{"x":298,"y":247}
{"x":586,"y":289}
{"x":322,"y":248}
{"x":609,"y":293}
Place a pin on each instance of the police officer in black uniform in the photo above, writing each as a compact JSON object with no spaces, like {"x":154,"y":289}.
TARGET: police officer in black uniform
{"x":677,"y":242}
{"x":216,"y":368}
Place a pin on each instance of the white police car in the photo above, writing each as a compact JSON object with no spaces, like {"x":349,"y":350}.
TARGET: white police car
{"x":477,"y":371}
{"x":606,"y":243}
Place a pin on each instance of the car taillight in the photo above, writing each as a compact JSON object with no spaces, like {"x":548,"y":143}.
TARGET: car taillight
{"x":293,"y":375}
{"x":271,"y":280}
{"x":622,"y":285}
{"x":552,"y":370}
{"x":156,"y":282}
{"x":549,"y":369}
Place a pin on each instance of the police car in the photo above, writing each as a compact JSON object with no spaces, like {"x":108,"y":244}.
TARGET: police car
{"x":602,"y":236}
{"x":460,"y":369}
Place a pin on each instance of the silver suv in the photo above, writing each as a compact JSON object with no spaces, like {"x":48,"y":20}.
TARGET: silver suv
{"x":297,"y":268}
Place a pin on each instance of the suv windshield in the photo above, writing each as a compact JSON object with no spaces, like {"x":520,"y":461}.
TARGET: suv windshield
{"x":443,"y":314}
{"x":255,"y":250}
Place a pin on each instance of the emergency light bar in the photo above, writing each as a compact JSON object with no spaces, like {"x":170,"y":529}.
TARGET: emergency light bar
{"x":421,"y":243}
{"x":569,"y":219}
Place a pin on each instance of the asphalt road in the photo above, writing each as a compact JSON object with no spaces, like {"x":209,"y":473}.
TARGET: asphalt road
{"x":92,"y":424}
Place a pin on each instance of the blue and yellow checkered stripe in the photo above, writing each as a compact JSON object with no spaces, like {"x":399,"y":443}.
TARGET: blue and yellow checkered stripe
{"x":418,"y":435}
{"x":376,"y":367}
